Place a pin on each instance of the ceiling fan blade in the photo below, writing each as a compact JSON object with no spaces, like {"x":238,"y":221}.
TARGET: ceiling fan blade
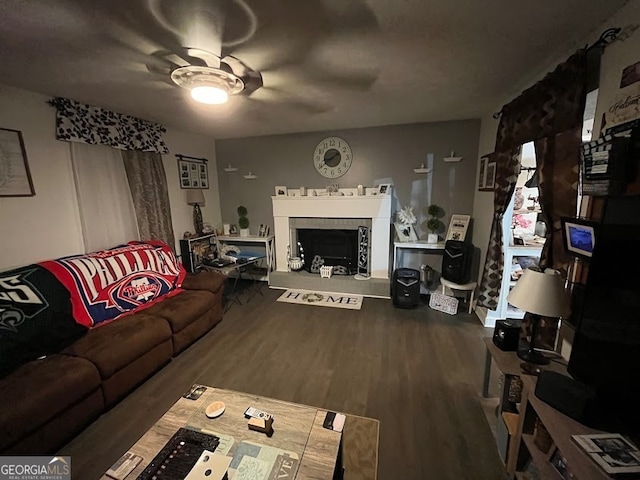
{"x":176,"y":59}
{"x":251,"y":78}
{"x":277,"y":97}
{"x":210,"y":59}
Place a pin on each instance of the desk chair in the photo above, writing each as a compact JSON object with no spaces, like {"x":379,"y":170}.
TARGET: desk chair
{"x":467,"y":287}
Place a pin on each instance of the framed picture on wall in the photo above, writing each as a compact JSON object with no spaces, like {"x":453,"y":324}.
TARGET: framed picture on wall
{"x":491,"y":176}
{"x":482,"y":176}
{"x":15,"y":177}
{"x":281,"y":191}
{"x":193,"y":172}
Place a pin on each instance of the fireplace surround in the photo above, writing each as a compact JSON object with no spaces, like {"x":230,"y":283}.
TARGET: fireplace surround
{"x":335,"y":212}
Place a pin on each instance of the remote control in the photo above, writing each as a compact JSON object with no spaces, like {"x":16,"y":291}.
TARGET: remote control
{"x":255,"y":413}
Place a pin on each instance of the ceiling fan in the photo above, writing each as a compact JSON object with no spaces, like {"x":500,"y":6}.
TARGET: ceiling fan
{"x":209,"y":78}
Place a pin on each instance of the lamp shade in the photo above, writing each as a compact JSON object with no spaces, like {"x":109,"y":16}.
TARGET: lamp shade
{"x":195,"y":197}
{"x":541,"y":293}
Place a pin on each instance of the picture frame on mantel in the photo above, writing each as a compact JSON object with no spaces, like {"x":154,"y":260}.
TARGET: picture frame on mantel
{"x":15,"y":180}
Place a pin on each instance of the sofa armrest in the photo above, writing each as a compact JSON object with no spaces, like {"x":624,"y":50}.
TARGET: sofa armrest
{"x":211,"y":281}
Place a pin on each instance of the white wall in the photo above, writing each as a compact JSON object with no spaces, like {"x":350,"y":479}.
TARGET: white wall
{"x":180,"y":142}
{"x":48,"y":225}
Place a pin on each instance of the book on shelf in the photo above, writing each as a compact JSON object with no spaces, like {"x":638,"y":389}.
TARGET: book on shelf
{"x":611,"y":451}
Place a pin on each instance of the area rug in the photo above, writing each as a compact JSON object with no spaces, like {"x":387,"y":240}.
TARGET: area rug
{"x":322,"y":299}
{"x":360,"y":448}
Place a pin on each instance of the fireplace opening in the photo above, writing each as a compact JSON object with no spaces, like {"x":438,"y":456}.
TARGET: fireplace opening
{"x":337,"y":248}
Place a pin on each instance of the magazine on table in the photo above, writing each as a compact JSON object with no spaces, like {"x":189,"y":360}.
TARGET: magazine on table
{"x":613,"y":452}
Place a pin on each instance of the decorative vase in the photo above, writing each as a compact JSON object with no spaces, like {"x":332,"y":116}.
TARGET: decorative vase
{"x":244,"y":232}
{"x":432,"y":238}
{"x":518,"y":200}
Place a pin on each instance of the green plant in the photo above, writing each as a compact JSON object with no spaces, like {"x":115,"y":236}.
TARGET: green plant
{"x":434,"y":224}
{"x":243,"y":221}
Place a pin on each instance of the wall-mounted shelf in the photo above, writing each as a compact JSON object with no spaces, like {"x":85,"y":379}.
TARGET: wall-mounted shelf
{"x":230,"y":169}
{"x":452,"y":158}
{"x":422,"y":169}
{"x":250,"y":176}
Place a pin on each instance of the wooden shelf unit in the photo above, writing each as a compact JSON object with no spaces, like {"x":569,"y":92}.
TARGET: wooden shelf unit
{"x":521,"y":448}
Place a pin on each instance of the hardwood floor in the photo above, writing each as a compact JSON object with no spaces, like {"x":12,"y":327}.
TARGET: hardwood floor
{"x":418,"y":371}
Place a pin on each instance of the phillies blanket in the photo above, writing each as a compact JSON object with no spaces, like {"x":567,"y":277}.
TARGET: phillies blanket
{"x":107,"y":284}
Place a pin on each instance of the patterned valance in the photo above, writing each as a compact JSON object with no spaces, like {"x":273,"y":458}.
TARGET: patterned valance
{"x":78,"y":122}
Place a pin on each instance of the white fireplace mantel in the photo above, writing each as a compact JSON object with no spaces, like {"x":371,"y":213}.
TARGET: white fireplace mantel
{"x":374,"y":207}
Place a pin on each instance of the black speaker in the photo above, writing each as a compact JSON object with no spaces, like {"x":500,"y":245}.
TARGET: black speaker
{"x":456,"y":261}
{"x":574,"y":399}
{"x":506,"y":335}
{"x":405,"y":288}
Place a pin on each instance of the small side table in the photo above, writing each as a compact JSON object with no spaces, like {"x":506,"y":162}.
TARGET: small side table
{"x":467,"y":287}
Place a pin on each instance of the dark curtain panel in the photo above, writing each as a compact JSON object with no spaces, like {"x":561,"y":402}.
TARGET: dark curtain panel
{"x":148,"y":185}
{"x":558,"y":157}
{"x":542,"y":113}
{"x":553,"y":105}
{"x":507,"y":170}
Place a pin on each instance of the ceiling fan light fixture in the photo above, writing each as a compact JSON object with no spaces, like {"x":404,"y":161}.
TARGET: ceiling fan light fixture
{"x":209,"y":94}
{"x":207,"y":84}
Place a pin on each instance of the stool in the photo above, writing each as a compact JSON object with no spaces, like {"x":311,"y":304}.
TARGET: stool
{"x":467,"y":287}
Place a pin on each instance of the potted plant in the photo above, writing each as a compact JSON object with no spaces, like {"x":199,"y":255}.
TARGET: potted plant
{"x":243,"y":221}
{"x":434,"y":224}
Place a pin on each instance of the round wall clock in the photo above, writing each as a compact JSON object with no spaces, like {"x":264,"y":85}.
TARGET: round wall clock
{"x":332,"y":157}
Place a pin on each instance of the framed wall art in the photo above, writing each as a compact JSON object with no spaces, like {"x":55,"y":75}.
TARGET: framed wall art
{"x":15,"y":177}
{"x":487,"y":174}
{"x":482,"y":176}
{"x":491,"y":176}
{"x":193,"y":172}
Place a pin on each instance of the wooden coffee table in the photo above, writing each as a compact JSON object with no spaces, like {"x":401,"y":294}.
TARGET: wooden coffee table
{"x":297,"y":429}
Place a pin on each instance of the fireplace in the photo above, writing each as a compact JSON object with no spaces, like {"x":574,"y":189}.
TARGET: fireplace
{"x":346,"y":212}
{"x":337,"y":248}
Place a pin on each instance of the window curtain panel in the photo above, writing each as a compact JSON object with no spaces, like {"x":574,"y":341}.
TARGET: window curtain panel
{"x":106,"y":209}
{"x":78,"y":122}
{"x":507,"y":170}
{"x":148,"y":186}
{"x":547,"y":113}
{"x":559,"y":159}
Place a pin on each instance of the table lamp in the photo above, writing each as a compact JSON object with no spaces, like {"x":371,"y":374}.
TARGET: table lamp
{"x":541,"y":294}
{"x":195,"y":197}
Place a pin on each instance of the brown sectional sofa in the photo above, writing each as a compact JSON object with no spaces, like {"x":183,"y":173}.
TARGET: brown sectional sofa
{"x":46,"y":402}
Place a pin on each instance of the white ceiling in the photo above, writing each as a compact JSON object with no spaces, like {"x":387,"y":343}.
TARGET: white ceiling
{"x":326,"y":64}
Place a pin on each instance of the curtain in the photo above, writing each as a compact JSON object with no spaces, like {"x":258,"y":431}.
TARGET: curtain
{"x":148,"y":185}
{"x":547,"y":113}
{"x":557,"y":190}
{"x":78,"y":122}
{"x":507,"y":170}
{"x":106,"y":209}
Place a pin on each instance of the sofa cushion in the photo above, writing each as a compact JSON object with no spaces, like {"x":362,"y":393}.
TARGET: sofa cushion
{"x":211,"y":281}
{"x":41,"y":389}
{"x":183,"y":309}
{"x":113,"y":346}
